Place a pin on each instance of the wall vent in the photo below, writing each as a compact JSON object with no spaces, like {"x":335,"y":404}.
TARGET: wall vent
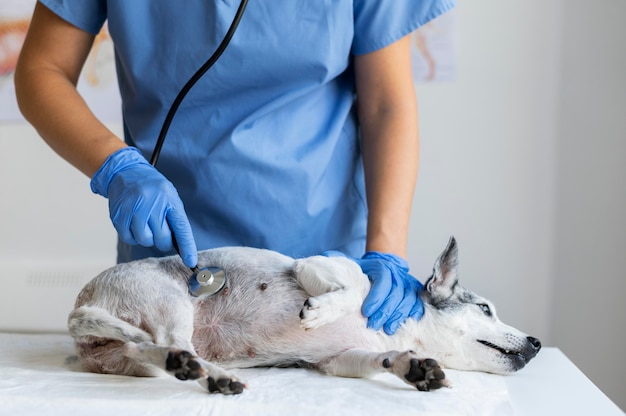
{"x":39,"y":299}
{"x":56,"y":278}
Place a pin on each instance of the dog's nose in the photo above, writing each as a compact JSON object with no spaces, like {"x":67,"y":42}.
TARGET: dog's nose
{"x":535,"y":343}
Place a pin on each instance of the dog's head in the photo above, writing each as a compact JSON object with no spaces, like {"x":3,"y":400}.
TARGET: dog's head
{"x":464,"y":328}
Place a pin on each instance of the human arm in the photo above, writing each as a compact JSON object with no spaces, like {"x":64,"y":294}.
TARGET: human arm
{"x":46,"y":76}
{"x":144,"y":206}
{"x":387,"y":112}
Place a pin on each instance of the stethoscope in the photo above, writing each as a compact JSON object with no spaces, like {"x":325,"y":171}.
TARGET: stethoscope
{"x":205,"y":281}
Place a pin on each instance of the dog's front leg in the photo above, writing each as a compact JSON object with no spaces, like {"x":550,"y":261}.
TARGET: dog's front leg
{"x":424,"y":374}
{"x":336,"y":285}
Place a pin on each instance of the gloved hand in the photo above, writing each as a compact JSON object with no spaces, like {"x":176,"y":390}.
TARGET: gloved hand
{"x":144,"y":206}
{"x":394,"y":295}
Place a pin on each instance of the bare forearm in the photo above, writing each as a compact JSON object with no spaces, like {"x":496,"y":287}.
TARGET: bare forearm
{"x":390,"y":155}
{"x":387,"y":111}
{"x":47,"y":72}
{"x":54,"y":107}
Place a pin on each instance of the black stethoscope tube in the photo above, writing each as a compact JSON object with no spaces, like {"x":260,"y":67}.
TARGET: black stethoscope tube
{"x":202,"y":281}
{"x":195,"y":77}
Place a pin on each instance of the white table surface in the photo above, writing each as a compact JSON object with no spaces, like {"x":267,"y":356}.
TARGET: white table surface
{"x":552,"y":385}
{"x":35,"y":381}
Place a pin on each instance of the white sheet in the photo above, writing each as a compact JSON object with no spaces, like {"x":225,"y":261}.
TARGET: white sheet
{"x":34,"y":380}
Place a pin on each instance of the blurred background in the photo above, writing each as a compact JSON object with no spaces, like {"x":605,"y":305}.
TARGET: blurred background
{"x":523,"y":156}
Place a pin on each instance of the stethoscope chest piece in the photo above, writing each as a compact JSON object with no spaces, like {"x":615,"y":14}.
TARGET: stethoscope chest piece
{"x":208,"y":281}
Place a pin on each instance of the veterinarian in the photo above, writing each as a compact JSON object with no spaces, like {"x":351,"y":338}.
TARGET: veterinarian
{"x":269,"y":149}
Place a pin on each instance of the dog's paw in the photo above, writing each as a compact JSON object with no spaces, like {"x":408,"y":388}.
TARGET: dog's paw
{"x":316,"y":313}
{"x":183,"y":365}
{"x":225,"y":385}
{"x":424,"y":374}
{"x":219,"y":380}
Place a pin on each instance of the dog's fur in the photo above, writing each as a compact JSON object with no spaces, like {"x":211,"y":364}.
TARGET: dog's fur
{"x":139,"y":319}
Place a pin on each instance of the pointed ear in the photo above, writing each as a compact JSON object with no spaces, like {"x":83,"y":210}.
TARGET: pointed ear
{"x":441,"y":284}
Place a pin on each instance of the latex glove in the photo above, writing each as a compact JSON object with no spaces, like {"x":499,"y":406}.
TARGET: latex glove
{"x":143,"y":205}
{"x":394,"y":295}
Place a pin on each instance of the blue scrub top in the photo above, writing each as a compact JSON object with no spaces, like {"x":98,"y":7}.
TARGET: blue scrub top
{"x":264,"y":149}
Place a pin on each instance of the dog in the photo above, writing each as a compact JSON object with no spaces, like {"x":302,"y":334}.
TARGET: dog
{"x":139,"y":319}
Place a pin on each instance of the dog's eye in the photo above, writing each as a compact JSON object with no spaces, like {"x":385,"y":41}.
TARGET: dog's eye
{"x":485,"y":308}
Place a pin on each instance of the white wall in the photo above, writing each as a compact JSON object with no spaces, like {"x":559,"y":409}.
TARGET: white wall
{"x":487,"y":173}
{"x":521,"y":161}
{"x":588,"y":312}
{"x":54,"y":233}
{"x":48,"y":207}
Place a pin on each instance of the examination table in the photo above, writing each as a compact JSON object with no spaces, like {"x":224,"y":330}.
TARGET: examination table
{"x":35,"y":379}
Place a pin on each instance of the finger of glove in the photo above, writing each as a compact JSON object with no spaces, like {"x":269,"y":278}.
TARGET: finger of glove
{"x":121,"y":222}
{"x":130,"y":202}
{"x":403,"y":310}
{"x":140,"y":229}
{"x":388,"y":307}
{"x":382,"y":282}
{"x":381,"y":316}
{"x":418,"y":310}
{"x":161,"y":233}
{"x":179,"y":224}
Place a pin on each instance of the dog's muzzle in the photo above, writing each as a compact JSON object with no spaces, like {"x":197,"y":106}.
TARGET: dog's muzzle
{"x":520,"y":357}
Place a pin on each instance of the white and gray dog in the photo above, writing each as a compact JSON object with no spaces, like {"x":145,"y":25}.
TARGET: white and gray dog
{"x":139,"y":319}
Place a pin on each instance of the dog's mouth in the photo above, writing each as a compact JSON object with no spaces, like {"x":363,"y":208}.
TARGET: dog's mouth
{"x":504,"y":351}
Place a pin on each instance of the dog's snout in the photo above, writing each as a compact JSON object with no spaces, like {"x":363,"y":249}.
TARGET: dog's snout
{"x":535,"y":343}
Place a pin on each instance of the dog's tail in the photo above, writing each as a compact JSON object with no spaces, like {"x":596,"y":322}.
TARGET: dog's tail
{"x":93,"y":321}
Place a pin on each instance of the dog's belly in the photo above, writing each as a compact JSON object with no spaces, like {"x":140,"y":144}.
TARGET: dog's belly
{"x":255,"y":321}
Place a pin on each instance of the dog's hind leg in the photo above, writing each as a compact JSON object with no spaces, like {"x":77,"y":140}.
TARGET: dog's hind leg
{"x":174,"y":354}
{"x":337,"y":287}
{"x":424,"y":374}
{"x":185,"y":365}
{"x":107,"y":344}
{"x":100,"y":339}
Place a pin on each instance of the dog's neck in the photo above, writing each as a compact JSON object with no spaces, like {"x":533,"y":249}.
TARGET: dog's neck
{"x":423,"y":336}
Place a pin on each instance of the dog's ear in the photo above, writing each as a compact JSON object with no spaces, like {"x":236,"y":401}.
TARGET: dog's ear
{"x":441,"y":284}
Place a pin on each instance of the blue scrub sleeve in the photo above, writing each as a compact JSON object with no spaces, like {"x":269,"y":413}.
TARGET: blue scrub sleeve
{"x":379,"y":23}
{"x":87,"y":15}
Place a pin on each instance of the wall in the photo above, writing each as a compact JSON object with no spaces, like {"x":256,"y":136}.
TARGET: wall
{"x":521,"y":161}
{"x":54,"y":233}
{"x":589,"y":312}
{"x":487,"y":173}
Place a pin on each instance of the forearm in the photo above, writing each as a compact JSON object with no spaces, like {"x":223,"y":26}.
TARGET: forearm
{"x":390,"y":155}
{"x":387,"y":111}
{"x":47,"y":72}
{"x":52,"y":105}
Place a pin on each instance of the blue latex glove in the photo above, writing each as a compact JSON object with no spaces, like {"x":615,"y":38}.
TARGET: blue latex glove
{"x":144,"y":206}
{"x":394,"y":295}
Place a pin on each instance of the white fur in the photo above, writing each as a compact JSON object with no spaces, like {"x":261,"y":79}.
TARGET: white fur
{"x":138,"y":319}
